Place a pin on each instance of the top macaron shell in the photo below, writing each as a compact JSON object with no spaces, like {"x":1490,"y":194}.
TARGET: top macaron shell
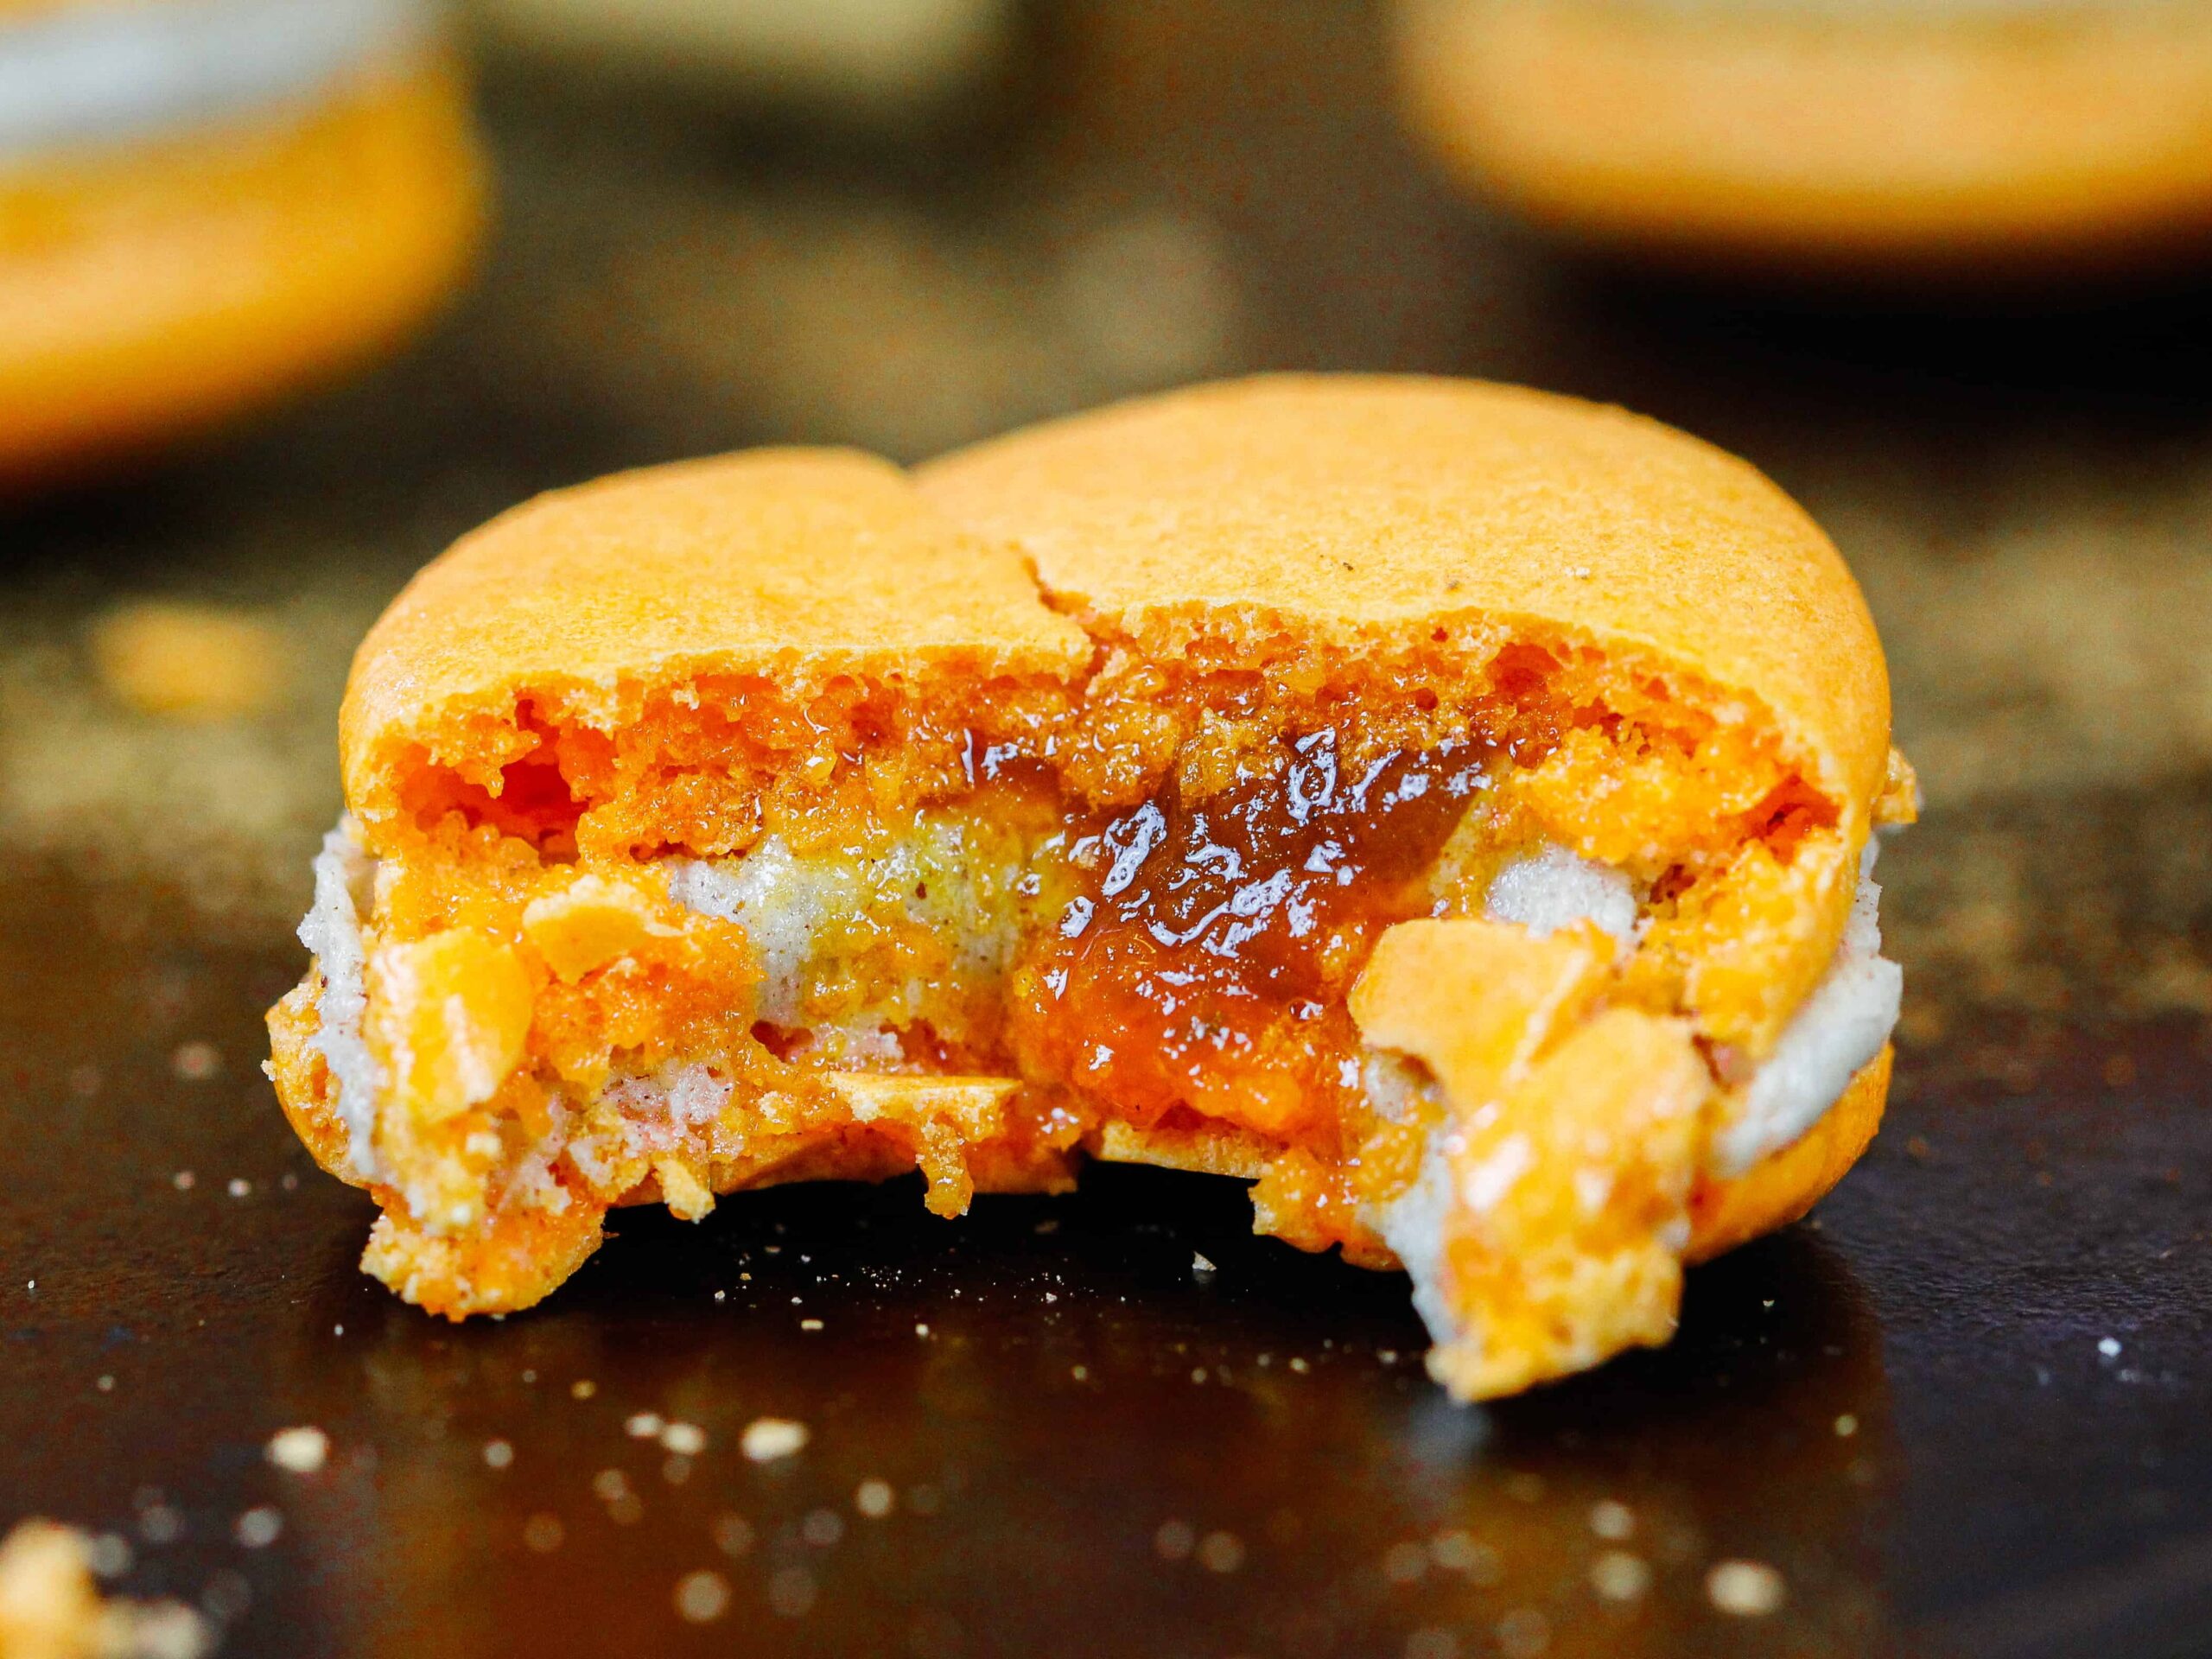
{"x":1352,"y":504}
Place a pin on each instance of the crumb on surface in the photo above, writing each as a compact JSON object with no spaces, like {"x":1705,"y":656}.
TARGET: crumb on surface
{"x":1746,"y":1589}
{"x":702,"y":1596}
{"x":187,"y":662}
{"x":875,"y":1498}
{"x":260,"y":1526}
{"x":301,"y":1449}
{"x":1618,"y":1575}
{"x":768,"y":1438}
{"x":50,"y":1608}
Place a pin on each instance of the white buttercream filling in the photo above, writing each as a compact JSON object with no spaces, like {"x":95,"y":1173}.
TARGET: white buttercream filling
{"x":787,"y":905}
{"x":800,"y":909}
{"x":344,"y":873}
{"x":1552,"y":888}
{"x":1838,"y":1033}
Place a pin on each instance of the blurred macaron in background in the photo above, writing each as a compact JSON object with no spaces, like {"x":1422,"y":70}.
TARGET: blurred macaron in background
{"x":1997,"y":141}
{"x":207,"y":203}
{"x":859,"y":62}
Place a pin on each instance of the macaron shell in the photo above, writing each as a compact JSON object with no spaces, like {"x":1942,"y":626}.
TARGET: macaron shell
{"x":790,"y":563}
{"x":1349,"y":508}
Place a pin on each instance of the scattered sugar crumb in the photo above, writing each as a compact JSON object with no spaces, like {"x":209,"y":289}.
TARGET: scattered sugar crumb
{"x":1845,"y":1426}
{"x":702,"y":1596}
{"x":182,"y":1180}
{"x":159,"y":1523}
{"x":809,"y":1325}
{"x":1523,"y":1633}
{"x":498,"y":1454}
{"x":1200,"y":1264}
{"x":623,"y":1507}
{"x":1613,"y":1520}
{"x":583,"y":1389}
{"x":792,"y":1591}
{"x":1618,"y":1576}
{"x":1081,"y":1373}
{"x":300,"y":1450}
{"x":196,"y":1061}
{"x":875,"y":1498}
{"x":768,"y":1438}
{"x":258,"y":1526}
{"x":187,"y":662}
{"x":921,"y":1330}
{"x":643,"y":1425}
{"x":1747,"y":1589}
{"x":1405,"y":1563}
{"x":2109,"y":1347}
{"x":49,"y":1604}
{"x":240,"y":1187}
{"x":106,"y":1383}
{"x":1221,"y":1552}
{"x":687,"y":1439}
{"x":1455,"y":1549}
{"x":1300,"y":1366}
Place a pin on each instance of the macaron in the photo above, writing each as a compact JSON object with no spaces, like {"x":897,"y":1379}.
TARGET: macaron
{"x":2001,"y":141}
{"x":205,"y":205}
{"x":1447,"y":806}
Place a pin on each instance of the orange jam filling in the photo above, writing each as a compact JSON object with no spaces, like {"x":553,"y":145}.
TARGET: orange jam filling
{"x":1204,"y":963}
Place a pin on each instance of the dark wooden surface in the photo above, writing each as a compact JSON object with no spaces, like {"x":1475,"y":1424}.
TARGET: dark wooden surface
{"x":1171,"y":191}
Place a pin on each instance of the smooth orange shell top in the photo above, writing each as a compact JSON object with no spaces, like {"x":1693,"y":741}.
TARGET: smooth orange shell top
{"x":793,"y":563}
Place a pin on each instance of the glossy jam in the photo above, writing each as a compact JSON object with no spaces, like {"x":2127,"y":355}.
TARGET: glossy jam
{"x":1203,"y":966}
